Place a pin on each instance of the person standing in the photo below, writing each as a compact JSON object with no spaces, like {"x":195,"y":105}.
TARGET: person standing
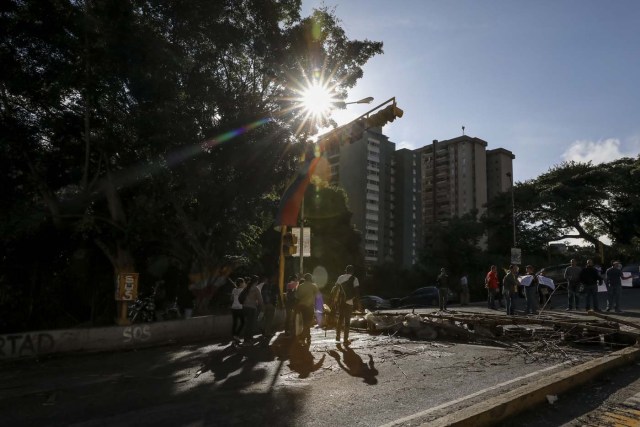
{"x":491,"y":283}
{"x":306,"y":301}
{"x":531,"y":292}
{"x":349,"y":297}
{"x":290,"y":303}
{"x":464,"y":290}
{"x":510,"y":289}
{"x":236,"y":309}
{"x":614,"y":286}
{"x":443,"y":288}
{"x":269,"y":299}
{"x":589,"y":278}
{"x":572,"y":275}
{"x":252,"y":301}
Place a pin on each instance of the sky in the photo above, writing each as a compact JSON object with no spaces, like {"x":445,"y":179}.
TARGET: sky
{"x":549,"y":80}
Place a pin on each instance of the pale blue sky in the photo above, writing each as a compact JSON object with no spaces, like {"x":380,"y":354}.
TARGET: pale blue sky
{"x":550,"y":80}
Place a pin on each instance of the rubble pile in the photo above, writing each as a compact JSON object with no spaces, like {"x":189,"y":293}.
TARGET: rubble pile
{"x":549,"y":330}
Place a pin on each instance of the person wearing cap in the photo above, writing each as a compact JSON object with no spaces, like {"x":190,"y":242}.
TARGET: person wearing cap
{"x":614,"y":286}
{"x":443,"y":288}
{"x":306,"y":301}
{"x":510,"y":289}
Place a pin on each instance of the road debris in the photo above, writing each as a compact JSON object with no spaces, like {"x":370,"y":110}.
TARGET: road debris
{"x":546,"y":335}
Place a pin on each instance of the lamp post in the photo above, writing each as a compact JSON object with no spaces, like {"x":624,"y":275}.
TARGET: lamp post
{"x":513,"y":209}
{"x":340,"y":104}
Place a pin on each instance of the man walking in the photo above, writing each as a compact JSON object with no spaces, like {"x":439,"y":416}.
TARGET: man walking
{"x":306,"y":301}
{"x":443,"y":288}
{"x":614,"y":286}
{"x":510,"y":289}
{"x":572,"y":275}
{"x":491,"y":283}
{"x":589,"y":277}
{"x":348,"y":296}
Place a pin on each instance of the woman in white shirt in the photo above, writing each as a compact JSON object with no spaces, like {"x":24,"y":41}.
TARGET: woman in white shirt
{"x":236,"y":309}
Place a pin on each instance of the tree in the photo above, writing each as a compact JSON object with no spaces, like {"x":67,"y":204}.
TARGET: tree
{"x":334,"y":241}
{"x":142,"y":126}
{"x":453,"y":245}
{"x":584,"y":201}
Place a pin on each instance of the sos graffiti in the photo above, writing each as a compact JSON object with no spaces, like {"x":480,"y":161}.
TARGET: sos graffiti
{"x":136,"y":334}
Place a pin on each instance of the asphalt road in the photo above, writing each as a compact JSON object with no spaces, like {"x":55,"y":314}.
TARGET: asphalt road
{"x":379,"y":380}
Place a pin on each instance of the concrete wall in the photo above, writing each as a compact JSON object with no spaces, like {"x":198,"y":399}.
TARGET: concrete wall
{"x":38,"y":343}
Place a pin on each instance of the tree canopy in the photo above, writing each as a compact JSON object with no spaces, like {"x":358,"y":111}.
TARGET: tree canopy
{"x":146,"y":128}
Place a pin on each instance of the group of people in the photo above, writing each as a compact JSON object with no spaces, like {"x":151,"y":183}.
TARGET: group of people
{"x":253,"y":295}
{"x":303,"y":296}
{"x":585,"y":280}
{"x":250,"y":297}
{"x":537,"y":287}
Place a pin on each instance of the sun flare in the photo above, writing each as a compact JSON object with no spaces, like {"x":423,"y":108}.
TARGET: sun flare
{"x":317,"y":100}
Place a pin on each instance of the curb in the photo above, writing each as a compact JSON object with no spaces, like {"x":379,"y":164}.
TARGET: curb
{"x":515,"y":401}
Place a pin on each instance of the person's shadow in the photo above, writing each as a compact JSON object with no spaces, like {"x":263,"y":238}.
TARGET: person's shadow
{"x":300,"y":358}
{"x":353,"y":364}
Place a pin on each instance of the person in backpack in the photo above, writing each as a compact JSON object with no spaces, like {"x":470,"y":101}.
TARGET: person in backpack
{"x":347,"y":284}
{"x":251,"y":300}
{"x":236,"y":308}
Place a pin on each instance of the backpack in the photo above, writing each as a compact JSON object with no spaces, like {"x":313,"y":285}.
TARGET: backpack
{"x":243,"y":295}
{"x":348,"y":288}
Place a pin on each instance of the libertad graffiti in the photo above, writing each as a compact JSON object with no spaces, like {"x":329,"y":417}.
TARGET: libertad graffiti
{"x":20,"y":345}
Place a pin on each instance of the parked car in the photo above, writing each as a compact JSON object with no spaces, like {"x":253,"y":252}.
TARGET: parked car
{"x":373,"y":303}
{"x":421,"y":297}
{"x":634,"y":269}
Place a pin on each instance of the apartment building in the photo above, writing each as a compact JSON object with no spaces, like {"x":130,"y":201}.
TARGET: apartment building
{"x":382,"y":186}
{"x":396,"y":195}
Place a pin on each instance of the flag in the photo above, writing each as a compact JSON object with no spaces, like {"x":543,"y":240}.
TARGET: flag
{"x":526,"y":280}
{"x":294,"y":194}
{"x":546,"y":281}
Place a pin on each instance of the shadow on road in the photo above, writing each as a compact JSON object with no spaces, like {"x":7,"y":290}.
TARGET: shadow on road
{"x":353,"y":364}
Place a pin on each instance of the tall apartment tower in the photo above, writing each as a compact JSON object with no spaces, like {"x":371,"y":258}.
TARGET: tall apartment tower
{"x":454,"y":176}
{"x":408,"y":207}
{"x":499,"y":171}
{"x":382,"y":187}
{"x":364,"y":170}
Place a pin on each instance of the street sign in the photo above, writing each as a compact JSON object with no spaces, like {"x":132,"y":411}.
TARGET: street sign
{"x":305,"y":242}
{"x":127,"y":287}
{"x":516,"y":256}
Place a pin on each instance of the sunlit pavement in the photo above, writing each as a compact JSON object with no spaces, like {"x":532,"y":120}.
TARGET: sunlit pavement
{"x":378,"y":379}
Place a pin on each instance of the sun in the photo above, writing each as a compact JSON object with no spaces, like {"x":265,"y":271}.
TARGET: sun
{"x":317,"y":100}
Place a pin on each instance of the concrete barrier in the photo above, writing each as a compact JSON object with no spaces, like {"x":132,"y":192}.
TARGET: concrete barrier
{"x":38,"y":343}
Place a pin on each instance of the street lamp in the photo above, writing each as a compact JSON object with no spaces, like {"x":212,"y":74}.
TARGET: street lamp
{"x":513,"y":209}
{"x":342,"y":104}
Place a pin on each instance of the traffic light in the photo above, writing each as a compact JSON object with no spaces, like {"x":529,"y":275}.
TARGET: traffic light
{"x":384,"y":116}
{"x":289,"y":244}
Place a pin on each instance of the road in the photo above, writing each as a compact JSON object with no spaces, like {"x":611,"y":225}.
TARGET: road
{"x":379,"y":380}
